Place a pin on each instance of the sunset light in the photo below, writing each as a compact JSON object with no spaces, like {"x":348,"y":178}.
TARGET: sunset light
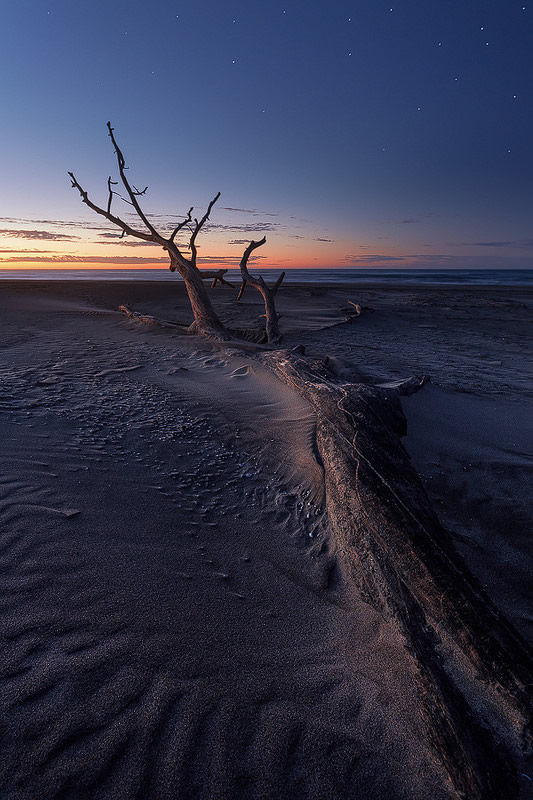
{"x":266,"y":400}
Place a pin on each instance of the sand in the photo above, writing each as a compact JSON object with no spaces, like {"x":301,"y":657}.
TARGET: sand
{"x":172,"y":624}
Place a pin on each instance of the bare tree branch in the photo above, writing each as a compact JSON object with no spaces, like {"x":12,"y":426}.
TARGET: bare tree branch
{"x":247,"y":278}
{"x":241,"y":290}
{"x":123,"y":198}
{"x":131,"y":193}
{"x":198,"y":228}
{"x":206,"y":320}
{"x":110,"y":183}
{"x":272,"y":328}
{"x":148,"y":237}
{"x":216,"y":275}
{"x":278,"y":283}
{"x":257,"y":283}
{"x":181,"y":225}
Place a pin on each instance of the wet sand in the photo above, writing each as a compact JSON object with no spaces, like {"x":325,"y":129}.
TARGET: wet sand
{"x":173,"y":624}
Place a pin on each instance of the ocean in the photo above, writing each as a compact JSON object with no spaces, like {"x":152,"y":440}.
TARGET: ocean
{"x":414,"y":277}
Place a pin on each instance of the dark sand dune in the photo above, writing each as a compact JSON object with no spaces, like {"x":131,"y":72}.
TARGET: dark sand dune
{"x":174,"y":622}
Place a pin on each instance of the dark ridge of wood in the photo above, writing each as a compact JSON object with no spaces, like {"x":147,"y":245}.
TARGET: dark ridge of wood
{"x":474,"y":670}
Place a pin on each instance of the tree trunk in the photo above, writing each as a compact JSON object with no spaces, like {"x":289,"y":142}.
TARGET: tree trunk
{"x":271,"y":326}
{"x":474,"y":670}
{"x":206,"y":321}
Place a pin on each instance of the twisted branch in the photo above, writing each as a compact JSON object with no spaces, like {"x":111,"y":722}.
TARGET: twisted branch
{"x":272,"y":328}
{"x":126,"y":229}
{"x":198,"y":228}
{"x":181,"y":225}
{"x":131,"y":193}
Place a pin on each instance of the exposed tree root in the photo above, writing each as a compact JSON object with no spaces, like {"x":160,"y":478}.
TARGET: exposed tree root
{"x":473,"y":668}
{"x":197,"y":328}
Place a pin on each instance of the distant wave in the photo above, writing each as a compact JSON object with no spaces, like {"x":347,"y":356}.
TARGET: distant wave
{"x":435,"y":277}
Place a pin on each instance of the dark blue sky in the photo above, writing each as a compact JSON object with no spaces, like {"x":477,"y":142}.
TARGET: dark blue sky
{"x":362,"y":133}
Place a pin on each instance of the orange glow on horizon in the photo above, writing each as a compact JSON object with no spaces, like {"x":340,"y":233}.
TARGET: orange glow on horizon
{"x":280,"y":252}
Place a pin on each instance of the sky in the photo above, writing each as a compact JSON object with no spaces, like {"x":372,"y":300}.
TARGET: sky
{"x":351,"y":134}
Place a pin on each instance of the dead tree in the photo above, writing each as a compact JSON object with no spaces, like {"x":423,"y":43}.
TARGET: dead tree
{"x":474,"y":671}
{"x":206,"y":320}
{"x":273,"y":332}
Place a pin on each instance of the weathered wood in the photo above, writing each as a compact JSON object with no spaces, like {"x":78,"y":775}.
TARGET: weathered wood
{"x":268,"y":293}
{"x":241,"y":290}
{"x":206,"y":321}
{"x":216,"y":275}
{"x":474,"y":670}
{"x":148,"y":319}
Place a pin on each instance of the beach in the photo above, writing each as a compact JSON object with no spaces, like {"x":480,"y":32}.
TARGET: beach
{"x":176,"y":622}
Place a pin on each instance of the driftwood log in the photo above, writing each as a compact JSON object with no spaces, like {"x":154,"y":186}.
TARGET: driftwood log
{"x":148,"y":319}
{"x":474,"y":670}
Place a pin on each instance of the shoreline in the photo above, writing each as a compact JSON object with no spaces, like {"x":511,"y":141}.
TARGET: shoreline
{"x":303,"y":276}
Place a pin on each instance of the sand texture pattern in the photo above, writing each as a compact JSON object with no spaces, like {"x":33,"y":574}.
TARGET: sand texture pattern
{"x":177,"y":620}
